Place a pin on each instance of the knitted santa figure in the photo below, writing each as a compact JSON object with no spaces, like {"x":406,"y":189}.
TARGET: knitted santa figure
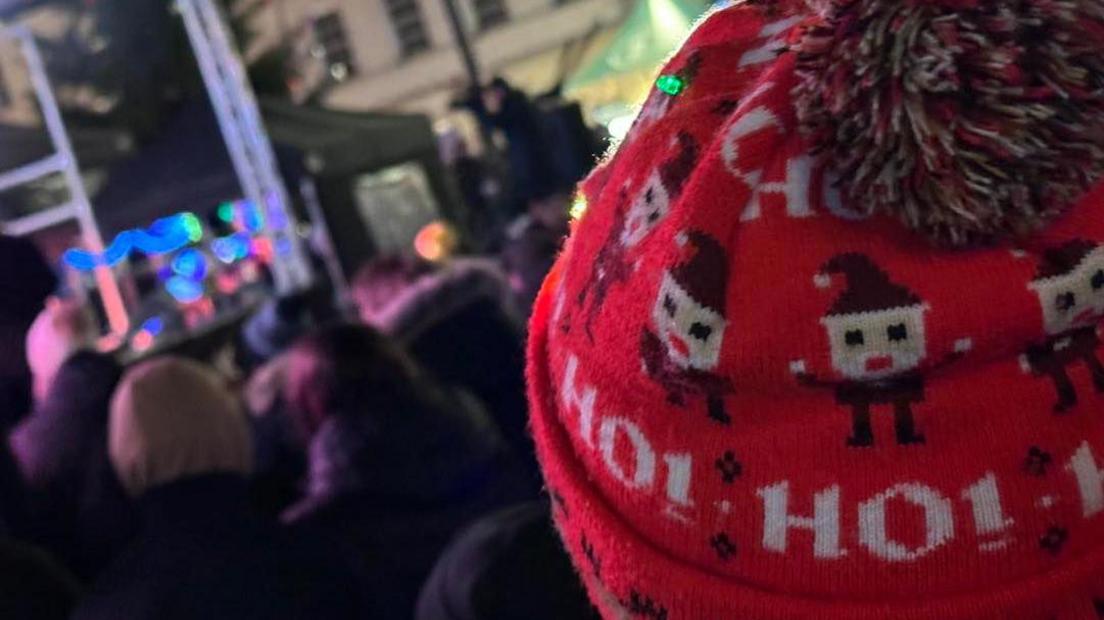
{"x":1070,"y":285}
{"x":614,"y":262}
{"x":907,"y":198}
{"x":689,"y":316}
{"x":876,"y":335}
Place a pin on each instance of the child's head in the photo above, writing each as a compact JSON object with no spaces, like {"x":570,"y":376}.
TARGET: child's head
{"x":846,"y":358}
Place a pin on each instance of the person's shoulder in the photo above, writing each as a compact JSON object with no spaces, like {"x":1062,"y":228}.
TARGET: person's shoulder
{"x":320,"y":552}
{"x":127,"y":583}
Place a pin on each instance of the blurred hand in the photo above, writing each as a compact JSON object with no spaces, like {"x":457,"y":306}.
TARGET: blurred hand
{"x":61,"y":329}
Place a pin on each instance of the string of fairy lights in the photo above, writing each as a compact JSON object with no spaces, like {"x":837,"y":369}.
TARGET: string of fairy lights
{"x":189,"y":254}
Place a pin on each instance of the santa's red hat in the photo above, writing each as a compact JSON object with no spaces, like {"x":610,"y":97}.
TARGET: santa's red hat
{"x":905,"y":154}
{"x":704,"y":273}
{"x":675,"y":171}
{"x":869,"y":289}
{"x":1065,"y":258}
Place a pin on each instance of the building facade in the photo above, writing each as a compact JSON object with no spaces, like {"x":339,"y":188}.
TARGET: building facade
{"x":402,"y":55}
{"x":17,"y":103}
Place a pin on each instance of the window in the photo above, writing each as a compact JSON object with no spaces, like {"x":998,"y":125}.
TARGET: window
{"x":406,"y":19}
{"x":489,"y":13}
{"x":331,"y":45}
{"x":5,"y":94}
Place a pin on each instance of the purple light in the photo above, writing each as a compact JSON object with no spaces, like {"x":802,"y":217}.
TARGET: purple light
{"x":277,"y":217}
{"x":232,"y":248}
{"x":283,"y":246}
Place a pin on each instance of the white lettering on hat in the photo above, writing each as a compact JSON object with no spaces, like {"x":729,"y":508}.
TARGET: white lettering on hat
{"x":1090,"y":480}
{"x":583,"y":401}
{"x":990,"y":521}
{"x":746,"y":124}
{"x":774,"y":42}
{"x":643,"y":474}
{"x":825,"y":522}
{"x":640,"y":473}
{"x":938,"y":519}
{"x":635,"y":461}
{"x":795,"y":188}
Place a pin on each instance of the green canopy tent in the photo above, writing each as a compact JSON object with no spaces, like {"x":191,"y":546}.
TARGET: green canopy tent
{"x":618,"y":76}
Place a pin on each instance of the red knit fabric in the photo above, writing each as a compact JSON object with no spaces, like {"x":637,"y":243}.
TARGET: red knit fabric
{"x":856,"y":425}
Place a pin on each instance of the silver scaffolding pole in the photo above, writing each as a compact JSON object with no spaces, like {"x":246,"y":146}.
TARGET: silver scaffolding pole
{"x":246,"y":139}
{"x":63,"y":161}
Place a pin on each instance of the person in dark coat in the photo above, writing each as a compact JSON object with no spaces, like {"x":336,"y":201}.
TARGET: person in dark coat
{"x":532,"y":170}
{"x":509,"y":564}
{"x":15,"y":519}
{"x":180,"y":445}
{"x":26,"y":280}
{"x":397,"y":465}
{"x":461,"y":323}
{"x":76,"y":507}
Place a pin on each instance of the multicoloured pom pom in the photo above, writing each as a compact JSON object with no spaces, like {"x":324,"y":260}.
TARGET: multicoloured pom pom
{"x":970,"y":120}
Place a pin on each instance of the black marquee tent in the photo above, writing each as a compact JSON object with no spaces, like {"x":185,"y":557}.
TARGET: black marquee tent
{"x":187,"y":168}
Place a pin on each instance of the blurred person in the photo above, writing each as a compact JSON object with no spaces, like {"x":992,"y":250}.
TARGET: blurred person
{"x":181,"y":447}
{"x":279,"y":456}
{"x":460,"y":322}
{"x":527,"y":257}
{"x":280,"y":459}
{"x":280,"y":321}
{"x":61,"y":331}
{"x":855,"y":370}
{"x":479,"y":186}
{"x":553,"y":212}
{"x":15,"y":516}
{"x":397,"y":464}
{"x":76,"y":507}
{"x":505,"y":108}
{"x":26,"y":280}
{"x":509,"y":564}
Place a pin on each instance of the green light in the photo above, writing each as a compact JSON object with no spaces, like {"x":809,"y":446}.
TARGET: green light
{"x":226,"y":212}
{"x":192,"y":227}
{"x":671,"y":84}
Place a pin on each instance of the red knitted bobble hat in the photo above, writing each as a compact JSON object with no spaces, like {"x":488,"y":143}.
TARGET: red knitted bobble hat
{"x":827,"y":342}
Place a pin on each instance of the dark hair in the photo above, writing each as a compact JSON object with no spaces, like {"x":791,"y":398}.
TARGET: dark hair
{"x":348,"y":369}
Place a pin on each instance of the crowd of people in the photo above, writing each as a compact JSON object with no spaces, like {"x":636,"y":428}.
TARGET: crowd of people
{"x":820,"y":348}
{"x":374,"y":464}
